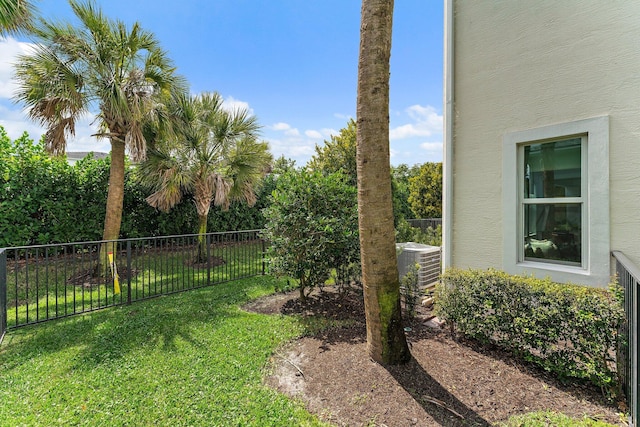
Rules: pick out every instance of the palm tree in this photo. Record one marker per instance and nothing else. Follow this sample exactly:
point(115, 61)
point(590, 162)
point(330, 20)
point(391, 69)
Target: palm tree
point(386, 342)
point(15, 16)
point(99, 66)
point(213, 156)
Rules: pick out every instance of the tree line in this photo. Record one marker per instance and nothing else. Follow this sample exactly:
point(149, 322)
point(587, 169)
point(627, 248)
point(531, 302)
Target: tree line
point(44, 199)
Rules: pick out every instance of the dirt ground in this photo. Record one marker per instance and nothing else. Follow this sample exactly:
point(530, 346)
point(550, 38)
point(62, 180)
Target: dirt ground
point(448, 382)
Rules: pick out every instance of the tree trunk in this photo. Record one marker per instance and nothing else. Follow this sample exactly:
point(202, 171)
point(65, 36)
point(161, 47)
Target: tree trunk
point(386, 342)
point(115, 197)
point(202, 238)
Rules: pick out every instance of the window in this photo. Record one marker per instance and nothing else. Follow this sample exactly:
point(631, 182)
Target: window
point(556, 201)
point(552, 201)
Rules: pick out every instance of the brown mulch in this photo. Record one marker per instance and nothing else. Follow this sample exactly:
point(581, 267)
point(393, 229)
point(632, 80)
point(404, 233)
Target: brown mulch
point(448, 382)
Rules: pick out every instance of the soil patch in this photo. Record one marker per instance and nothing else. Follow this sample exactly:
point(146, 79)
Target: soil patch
point(88, 278)
point(448, 382)
point(214, 261)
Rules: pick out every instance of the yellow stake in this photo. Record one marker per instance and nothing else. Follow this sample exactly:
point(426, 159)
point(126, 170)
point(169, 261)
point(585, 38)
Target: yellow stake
point(114, 272)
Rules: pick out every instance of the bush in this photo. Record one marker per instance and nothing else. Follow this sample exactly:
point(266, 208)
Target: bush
point(567, 329)
point(410, 290)
point(45, 200)
point(406, 233)
point(312, 227)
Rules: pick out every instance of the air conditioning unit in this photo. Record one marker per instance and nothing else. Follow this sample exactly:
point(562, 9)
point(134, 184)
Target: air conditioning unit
point(428, 257)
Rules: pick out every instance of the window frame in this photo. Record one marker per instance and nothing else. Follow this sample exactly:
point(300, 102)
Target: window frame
point(583, 200)
point(595, 263)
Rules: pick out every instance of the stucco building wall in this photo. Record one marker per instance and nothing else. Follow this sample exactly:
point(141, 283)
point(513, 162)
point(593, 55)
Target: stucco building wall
point(520, 65)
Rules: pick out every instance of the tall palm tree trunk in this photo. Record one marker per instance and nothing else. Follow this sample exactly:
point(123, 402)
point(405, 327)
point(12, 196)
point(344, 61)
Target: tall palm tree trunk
point(115, 197)
point(386, 342)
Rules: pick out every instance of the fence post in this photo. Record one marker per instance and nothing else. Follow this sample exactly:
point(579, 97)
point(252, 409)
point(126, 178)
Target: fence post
point(3, 293)
point(129, 272)
point(264, 250)
point(208, 239)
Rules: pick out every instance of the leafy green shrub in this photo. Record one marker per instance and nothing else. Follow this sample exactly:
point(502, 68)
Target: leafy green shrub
point(312, 227)
point(406, 233)
point(410, 290)
point(567, 329)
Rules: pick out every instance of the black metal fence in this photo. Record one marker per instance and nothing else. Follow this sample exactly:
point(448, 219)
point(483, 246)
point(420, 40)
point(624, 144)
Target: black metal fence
point(425, 223)
point(41, 283)
point(629, 278)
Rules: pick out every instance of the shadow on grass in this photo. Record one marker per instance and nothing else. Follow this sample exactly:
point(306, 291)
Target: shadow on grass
point(110, 334)
point(436, 400)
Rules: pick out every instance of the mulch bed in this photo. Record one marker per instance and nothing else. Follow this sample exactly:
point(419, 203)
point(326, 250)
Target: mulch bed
point(448, 382)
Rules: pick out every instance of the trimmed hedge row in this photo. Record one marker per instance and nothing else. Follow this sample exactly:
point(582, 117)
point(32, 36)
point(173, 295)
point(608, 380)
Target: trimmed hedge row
point(45, 200)
point(567, 329)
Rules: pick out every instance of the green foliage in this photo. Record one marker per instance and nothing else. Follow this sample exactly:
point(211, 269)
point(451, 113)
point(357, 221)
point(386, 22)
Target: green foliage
point(425, 191)
point(410, 290)
point(406, 233)
point(45, 200)
point(338, 155)
point(400, 176)
point(567, 329)
point(312, 227)
point(38, 194)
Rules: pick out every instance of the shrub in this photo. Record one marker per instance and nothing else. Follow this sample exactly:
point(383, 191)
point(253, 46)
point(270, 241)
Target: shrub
point(406, 233)
point(567, 329)
point(410, 290)
point(312, 227)
point(45, 200)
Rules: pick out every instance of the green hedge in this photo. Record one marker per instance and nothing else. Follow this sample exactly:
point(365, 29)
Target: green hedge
point(567, 329)
point(45, 200)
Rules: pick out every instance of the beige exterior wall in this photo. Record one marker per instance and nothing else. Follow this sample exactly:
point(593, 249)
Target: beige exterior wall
point(520, 65)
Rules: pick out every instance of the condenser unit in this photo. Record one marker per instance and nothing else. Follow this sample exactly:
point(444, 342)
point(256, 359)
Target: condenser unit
point(428, 257)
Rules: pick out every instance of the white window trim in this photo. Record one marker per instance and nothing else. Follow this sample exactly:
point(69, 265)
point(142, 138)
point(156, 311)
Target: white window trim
point(595, 270)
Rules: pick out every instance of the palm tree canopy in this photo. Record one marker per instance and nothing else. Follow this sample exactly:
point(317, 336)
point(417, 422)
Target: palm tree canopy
point(100, 65)
point(213, 155)
point(15, 16)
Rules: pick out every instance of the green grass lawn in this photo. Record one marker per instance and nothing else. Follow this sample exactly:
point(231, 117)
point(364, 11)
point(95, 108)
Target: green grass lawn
point(192, 358)
point(51, 287)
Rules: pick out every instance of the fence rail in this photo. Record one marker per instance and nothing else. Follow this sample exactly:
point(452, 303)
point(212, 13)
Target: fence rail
point(46, 282)
point(629, 278)
point(425, 223)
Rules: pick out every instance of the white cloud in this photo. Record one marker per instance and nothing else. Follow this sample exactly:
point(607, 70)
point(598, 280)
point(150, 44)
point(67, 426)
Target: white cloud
point(426, 122)
point(313, 134)
point(232, 104)
point(431, 146)
point(9, 50)
point(286, 128)
point(280, 126)
point(327, 132)
point(15, 122)
point(294, 148)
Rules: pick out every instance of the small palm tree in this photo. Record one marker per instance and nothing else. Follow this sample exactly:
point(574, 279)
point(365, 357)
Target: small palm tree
point(213, 155)
point(99, 66)
point(15, 16)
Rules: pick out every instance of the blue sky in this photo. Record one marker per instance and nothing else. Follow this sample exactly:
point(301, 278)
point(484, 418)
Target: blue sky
point(293, 63)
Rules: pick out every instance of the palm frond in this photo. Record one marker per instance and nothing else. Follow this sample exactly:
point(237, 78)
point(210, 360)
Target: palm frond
point(16, 16)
